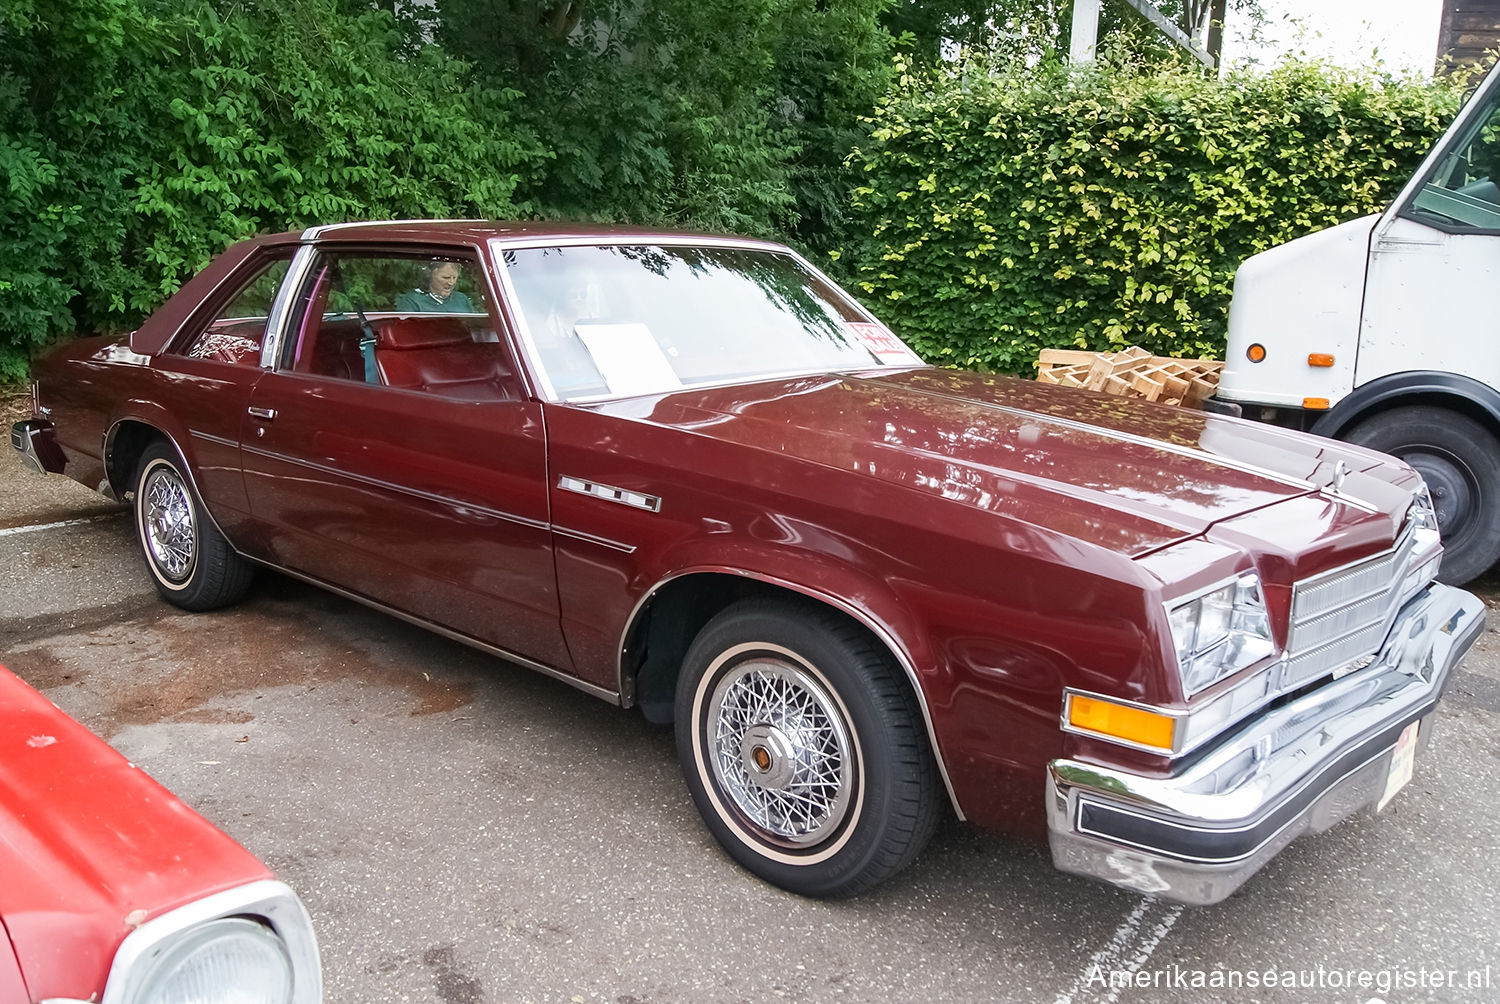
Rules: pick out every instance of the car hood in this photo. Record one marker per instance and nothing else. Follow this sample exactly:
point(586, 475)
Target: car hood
point(1118, 473)
point(90, 847)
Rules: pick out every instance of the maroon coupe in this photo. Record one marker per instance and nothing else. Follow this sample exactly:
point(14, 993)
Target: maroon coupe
point(691, 475)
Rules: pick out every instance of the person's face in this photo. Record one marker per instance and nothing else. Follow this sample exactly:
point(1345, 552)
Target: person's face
point(575, 301)
point(444, 278)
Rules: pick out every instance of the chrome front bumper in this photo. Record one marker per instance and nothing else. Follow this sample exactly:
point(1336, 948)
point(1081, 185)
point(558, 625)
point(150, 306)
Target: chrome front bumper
point(1296, 768)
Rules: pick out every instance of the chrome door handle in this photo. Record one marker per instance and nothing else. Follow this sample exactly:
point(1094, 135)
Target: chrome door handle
point(265, 413)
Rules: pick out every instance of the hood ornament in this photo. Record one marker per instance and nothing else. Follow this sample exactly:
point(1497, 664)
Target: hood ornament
point(1329, 479)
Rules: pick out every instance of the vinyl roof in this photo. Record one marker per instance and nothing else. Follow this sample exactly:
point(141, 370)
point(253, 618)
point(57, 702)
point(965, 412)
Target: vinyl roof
point(479, 231)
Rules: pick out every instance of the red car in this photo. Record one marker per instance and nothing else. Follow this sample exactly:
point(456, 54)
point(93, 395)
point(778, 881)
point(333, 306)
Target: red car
point(116, 892)
point(691, 475)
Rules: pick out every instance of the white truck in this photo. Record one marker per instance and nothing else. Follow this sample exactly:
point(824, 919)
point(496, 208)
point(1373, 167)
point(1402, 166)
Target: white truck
point(1385, 331)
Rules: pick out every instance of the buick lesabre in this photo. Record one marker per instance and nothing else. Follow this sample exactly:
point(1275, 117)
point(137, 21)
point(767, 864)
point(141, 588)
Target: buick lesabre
point(691, 475)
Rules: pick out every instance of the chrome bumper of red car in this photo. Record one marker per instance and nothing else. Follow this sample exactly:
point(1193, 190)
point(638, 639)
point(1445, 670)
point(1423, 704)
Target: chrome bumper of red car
point(1296, 768)
point(33, 439)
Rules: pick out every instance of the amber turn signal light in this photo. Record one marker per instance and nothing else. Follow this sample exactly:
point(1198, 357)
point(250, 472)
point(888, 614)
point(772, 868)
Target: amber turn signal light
point(1315, 403)
point(1256, 352)
point(1319, 359)
point(1120, 721)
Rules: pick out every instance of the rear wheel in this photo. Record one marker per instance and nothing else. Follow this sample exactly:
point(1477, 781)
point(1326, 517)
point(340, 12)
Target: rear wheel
point(191, 563)
point(803, 748)
point(1460, 461)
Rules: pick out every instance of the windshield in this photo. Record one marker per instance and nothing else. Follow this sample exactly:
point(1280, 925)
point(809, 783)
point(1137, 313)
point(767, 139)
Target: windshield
point(1461, 195)
point(621, 320)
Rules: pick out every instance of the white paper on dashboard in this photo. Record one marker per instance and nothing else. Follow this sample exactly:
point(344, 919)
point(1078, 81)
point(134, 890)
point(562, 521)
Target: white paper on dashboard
point(628, 358)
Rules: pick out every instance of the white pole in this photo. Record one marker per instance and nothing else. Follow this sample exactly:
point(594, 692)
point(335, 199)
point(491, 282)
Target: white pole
point(1085, 34)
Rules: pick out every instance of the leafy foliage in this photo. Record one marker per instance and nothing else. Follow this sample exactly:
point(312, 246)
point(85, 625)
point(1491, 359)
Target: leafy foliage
point(998, 207)
point(138, 138)
point(1006, 209)
point(731, 115)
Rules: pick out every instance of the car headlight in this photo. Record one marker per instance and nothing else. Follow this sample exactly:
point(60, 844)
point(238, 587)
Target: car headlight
point(233, 961)
point(252, 944)
point(1220, 632)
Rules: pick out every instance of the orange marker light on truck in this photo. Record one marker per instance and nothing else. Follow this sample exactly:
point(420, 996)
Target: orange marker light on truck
point(1319, 359)
point(1315, 403)
point(1256, 352)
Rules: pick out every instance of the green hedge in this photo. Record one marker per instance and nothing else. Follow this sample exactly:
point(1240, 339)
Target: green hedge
point(1005, 211)
point(138, 138)
point(1000, 210)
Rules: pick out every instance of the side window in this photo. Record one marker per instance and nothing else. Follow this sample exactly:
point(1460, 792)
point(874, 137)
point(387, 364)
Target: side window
point(238, 328)
point(1461, 195)
point(409, 322)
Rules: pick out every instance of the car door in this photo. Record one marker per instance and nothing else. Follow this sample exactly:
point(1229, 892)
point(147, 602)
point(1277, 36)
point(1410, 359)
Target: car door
point(395, 455)
point(1433, 283)
point(211, 369)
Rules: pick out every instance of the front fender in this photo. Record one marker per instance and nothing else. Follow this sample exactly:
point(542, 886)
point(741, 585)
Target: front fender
point(858, 596)
point(809, 569)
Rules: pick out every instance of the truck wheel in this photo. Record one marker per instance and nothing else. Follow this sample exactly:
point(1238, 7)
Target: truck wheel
point(1460, 461)
point(803, 748)
point(191, 563)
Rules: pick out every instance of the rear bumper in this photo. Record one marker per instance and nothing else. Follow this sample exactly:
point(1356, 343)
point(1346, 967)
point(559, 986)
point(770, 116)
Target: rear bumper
point(34, 440)
point(1297, 768)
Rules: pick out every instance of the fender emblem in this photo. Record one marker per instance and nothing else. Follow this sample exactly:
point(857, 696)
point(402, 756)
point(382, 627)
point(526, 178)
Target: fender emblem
point(609, 493)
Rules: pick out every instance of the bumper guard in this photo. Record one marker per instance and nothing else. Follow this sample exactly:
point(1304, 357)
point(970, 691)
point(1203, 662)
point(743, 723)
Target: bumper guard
point(33, 440)
point(1299, 767)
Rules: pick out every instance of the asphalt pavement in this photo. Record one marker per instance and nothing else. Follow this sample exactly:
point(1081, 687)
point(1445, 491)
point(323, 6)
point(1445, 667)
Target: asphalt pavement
point(463, 830)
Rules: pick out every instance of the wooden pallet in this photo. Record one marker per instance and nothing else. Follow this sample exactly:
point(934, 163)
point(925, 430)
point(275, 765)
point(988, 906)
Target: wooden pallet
point(1132, 372)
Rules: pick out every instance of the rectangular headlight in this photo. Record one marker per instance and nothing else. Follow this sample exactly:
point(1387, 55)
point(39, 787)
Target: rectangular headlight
point(1220, 632)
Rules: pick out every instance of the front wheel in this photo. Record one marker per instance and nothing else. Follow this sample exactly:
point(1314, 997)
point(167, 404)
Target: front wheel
point(803, 748)
point(191, 563)
point(1460, 461)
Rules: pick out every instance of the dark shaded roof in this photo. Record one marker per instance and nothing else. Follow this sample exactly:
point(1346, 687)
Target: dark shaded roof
point(1469, 29)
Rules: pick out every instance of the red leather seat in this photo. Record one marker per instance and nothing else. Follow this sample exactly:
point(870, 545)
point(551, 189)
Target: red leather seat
point(438, 355)
point(334, 351)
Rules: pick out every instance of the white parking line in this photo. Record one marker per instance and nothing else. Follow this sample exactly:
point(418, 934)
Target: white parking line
point(1128, 950)
point(33, 528)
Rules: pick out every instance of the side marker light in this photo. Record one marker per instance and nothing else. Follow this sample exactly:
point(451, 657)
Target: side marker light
point(1119, 721)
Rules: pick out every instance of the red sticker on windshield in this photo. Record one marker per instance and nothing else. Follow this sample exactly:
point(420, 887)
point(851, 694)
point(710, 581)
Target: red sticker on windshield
point(886, 346)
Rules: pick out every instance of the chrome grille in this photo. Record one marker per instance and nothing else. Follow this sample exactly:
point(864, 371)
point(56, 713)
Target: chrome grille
point(1343, 614)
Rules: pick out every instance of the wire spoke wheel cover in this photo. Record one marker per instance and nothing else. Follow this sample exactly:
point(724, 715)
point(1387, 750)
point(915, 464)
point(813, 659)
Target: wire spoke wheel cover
point(803, 748)
point(191, 564)
point(780, 748)
point(776, 753)
point(168, 526)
